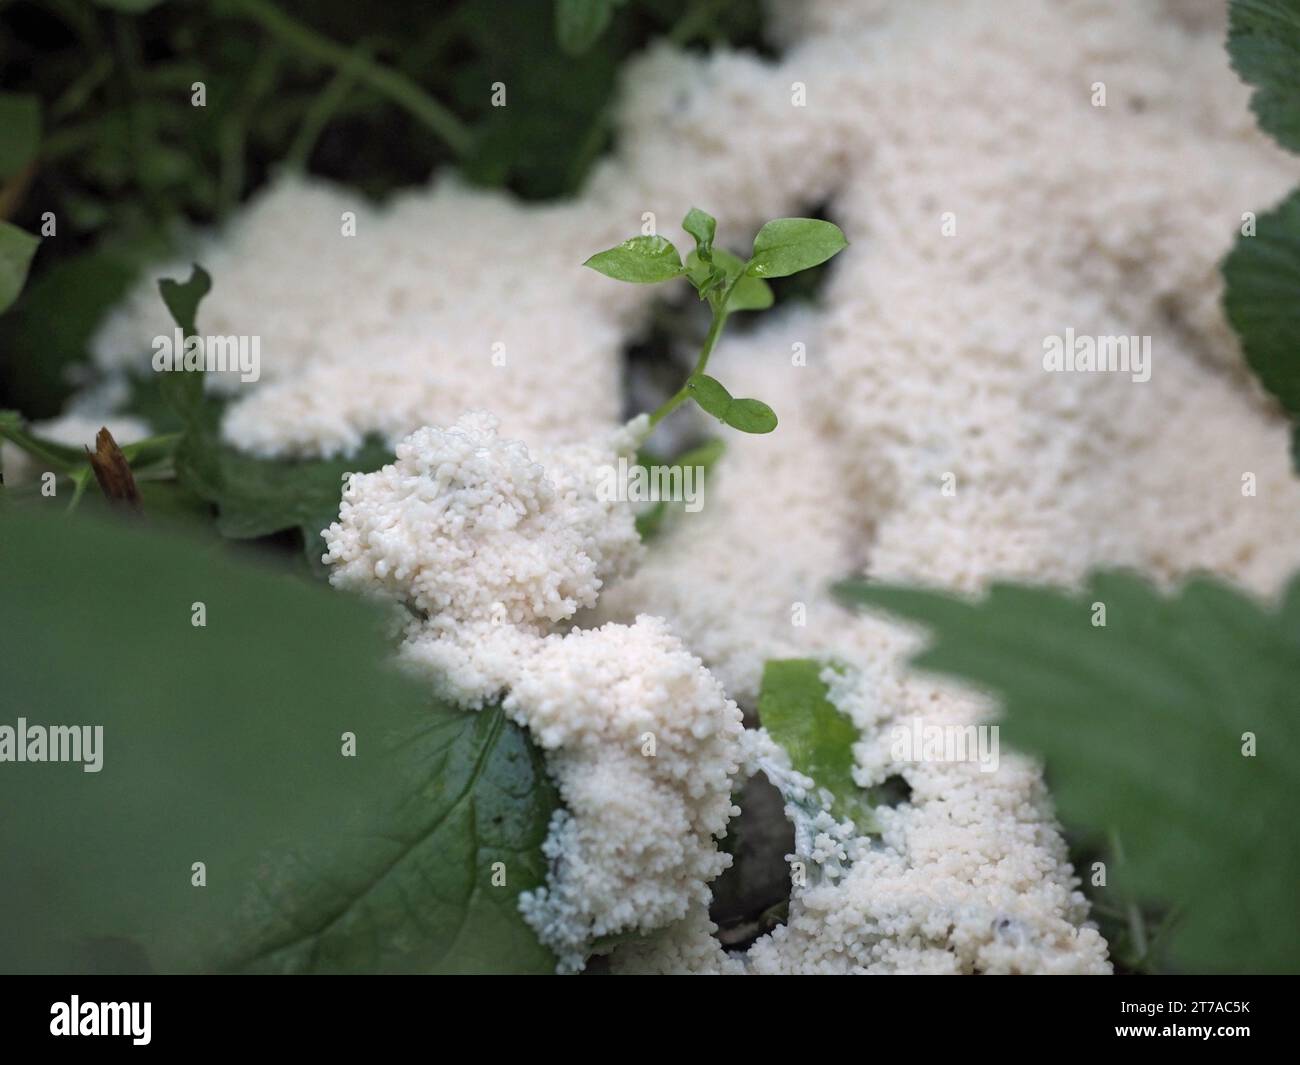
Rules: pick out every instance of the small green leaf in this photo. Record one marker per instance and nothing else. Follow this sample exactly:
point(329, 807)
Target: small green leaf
point(1264, 46)
point(20, 132)
point(751, 416)
point(747, 415)
point(196, 459)
point(748, 293)
point(16, 250)
point(787, 245)
point(257, 496)
point(579, 23)
point(643, 260)
point(710, 394)
point(702, 226)
point(795, 708)
point(182, 299)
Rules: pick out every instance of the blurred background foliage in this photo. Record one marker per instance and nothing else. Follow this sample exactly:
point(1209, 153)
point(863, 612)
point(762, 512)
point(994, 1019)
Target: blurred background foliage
point(100, 128)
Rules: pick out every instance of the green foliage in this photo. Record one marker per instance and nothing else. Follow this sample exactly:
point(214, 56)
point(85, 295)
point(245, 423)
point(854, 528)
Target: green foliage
point(372, 97)
point(48, 330)
point(703, 227)
point(1143, 723)
point(149, 458)
point(795, 708)
point(60, 456)
point(784, 246)
point(182, 299)
point(1262, 300)
point(223, 744)
point(256, 496)
point(253, 496)
point(1264, 45)
point(747, 293)
point(183, 389)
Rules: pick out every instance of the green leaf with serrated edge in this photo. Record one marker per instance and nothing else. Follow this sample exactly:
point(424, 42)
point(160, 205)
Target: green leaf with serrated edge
point(1262, 300)
point(253, 496)
point(748, 294)
point(795, 708)
point(20, 132)
point(579, 23)
point(1264, 46)
point(1141, 723)
point(643, 260)
point(261, 496)
point(702, 226)
point(225, 744)
point(16, 250)
point(787, 245)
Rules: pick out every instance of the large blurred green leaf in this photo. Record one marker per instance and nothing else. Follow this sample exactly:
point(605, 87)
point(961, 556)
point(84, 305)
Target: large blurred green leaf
point(50, 327)
point(1141, 722)
point(223, 744)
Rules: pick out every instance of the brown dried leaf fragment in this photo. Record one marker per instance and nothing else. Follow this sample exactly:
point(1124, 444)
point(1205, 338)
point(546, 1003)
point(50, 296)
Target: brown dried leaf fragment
point(113, 473)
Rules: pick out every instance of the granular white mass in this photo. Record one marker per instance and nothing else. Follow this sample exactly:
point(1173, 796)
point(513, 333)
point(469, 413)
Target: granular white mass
point(491, 550)
point(644, 745)
point(991, 203)
point(481, 540)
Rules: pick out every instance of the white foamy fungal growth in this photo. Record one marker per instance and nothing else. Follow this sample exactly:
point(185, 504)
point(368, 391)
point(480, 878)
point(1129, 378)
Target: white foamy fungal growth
point(466, 527)
point(643, 743)
point(492, 550)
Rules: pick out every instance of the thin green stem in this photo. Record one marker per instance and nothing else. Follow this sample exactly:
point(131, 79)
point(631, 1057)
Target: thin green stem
point(324, 107)
point(234, 128)
point(715, 330)
point(79, 481)
point(396, 86)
